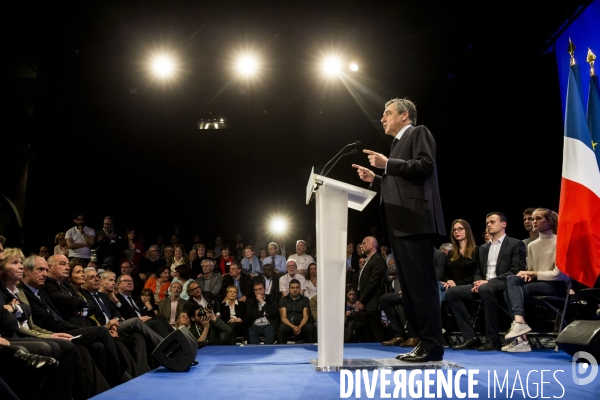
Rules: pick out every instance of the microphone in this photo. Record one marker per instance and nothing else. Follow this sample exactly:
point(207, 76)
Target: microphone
point(339, 158)
point(357, 143)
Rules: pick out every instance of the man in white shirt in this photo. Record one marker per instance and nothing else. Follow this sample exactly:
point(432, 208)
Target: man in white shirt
point(284, 281)
point(500, 257)
point(302, 259)
point(80, 239)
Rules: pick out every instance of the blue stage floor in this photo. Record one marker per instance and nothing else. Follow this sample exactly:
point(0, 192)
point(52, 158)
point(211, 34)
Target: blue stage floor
point(285, 372)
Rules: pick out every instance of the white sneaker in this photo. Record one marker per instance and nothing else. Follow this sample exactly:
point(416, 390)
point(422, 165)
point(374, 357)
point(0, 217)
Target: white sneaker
point(518, 346)
point(517, 329)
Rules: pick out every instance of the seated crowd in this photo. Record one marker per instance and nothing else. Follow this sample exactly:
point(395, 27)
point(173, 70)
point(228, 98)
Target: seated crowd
point(101, 303)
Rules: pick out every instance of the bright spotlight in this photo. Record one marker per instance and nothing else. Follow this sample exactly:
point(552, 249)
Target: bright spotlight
point(354, 67)
point(247, 65)
point(332, 66)
point(278, 225)
point(162, 66)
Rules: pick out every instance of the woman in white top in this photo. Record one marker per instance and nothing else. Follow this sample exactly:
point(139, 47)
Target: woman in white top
point(311, 280)
point(542, 278)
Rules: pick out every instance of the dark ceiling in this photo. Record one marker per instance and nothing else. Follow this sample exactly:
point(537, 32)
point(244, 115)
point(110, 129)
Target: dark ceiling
point(108, 137)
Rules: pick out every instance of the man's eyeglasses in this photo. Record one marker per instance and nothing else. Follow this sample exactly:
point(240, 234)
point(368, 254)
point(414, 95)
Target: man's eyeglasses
point(192, 289)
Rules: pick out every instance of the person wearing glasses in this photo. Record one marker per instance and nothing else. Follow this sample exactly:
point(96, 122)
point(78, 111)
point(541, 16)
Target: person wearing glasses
point(150, 265)
point(201, 297)
point(461, 260)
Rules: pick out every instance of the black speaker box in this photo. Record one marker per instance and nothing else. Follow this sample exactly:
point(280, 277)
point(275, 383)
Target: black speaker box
point(580, 336)
point(177, 351)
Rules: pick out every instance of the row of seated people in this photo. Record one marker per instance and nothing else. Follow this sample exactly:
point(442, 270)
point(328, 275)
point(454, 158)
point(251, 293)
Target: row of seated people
point(501, 273)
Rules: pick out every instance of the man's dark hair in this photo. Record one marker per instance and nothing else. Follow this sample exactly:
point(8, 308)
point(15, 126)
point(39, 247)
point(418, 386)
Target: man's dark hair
point(75, 215)
point(295, 281)
point(499, 214)
point(235, 263)
point(225, 247)
point(528, 211)
point(362, 256)
point(257, 281)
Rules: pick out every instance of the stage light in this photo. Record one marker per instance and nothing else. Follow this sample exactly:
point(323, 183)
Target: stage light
point(354, 67)
point(163, 66)
point(278, 225)
point(247, 65)
point(332, 66)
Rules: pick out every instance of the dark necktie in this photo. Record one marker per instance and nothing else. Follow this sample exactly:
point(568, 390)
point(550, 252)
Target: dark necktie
point(50, 309)
point(105, 309)
point(394, 143)
point(137, 310)
point(273, 260)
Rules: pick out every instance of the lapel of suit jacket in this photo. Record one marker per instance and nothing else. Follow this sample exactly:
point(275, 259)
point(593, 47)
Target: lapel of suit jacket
point(403, 139)
point(483, 259)
point(500, 252)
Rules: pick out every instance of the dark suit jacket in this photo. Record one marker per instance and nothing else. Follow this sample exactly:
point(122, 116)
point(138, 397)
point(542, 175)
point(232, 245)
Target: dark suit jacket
point(245, 285)
point(97, 311)
point(164, 308)
point(270, 310)
point(240, 311)
point(66, 300)
point(371, 283)
point(511, 259)
point(274, 285)
point(439, 262)
point(409, 189)
point(40, 315)
point(127, 310)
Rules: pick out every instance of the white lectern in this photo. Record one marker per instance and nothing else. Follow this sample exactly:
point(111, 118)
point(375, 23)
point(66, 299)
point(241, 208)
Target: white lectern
point(332, 200)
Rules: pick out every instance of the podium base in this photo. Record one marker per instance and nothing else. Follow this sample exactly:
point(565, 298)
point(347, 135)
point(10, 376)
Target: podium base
point(384, 363)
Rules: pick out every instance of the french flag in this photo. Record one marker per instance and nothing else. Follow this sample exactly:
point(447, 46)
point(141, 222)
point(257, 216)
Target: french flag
point(578, 241)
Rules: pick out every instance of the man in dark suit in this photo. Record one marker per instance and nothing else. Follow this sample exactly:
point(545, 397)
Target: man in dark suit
point(371, 287)
point(261, 314)
point(132, 307)
point(411, 207)
point(199, 297)
point(270, 281)
point(498, 258)
point(63, 296)
point(97, 339)
point(237, 278)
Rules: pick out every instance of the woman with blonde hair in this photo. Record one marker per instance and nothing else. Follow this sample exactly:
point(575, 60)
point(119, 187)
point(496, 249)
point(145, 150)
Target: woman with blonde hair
point(61, 245)
point(542, 278)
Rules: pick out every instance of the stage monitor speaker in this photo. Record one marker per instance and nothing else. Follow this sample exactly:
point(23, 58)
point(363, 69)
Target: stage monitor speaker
point(177, 351)
point(580, 336)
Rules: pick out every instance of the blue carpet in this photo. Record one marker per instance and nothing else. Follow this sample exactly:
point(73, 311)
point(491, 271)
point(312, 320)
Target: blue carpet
point(273, 372)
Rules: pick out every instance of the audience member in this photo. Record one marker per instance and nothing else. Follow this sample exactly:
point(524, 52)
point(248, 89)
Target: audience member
point(224, 262)
point(238, 279)
point(294, 314)
point(302, 259)
point(183, 275)
point(138, 283)
point(197, 263)
point(262, 314)
point(218, 246)
point(150, 265)
point(499, 258)
point(183, 319)
point(233, 313)
point(133, 252)
point(370, 288)
point(311, 281)
point(169, 309)
point(528, 224)
point(109, 245)
point(207, 328)
point(270, 281)
point(446, 247)
point(80, 239)
point(61, 245)
point(349, 315)
point(461, 260)
point(541, 278)
point(147, 298)
point(44, 252)
point(209, 280)
point(292, 273)
point(159, 285)
point(63, 296)
point(276, 260)
point(202, 298)
point(178, 257)
point(250, 263)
